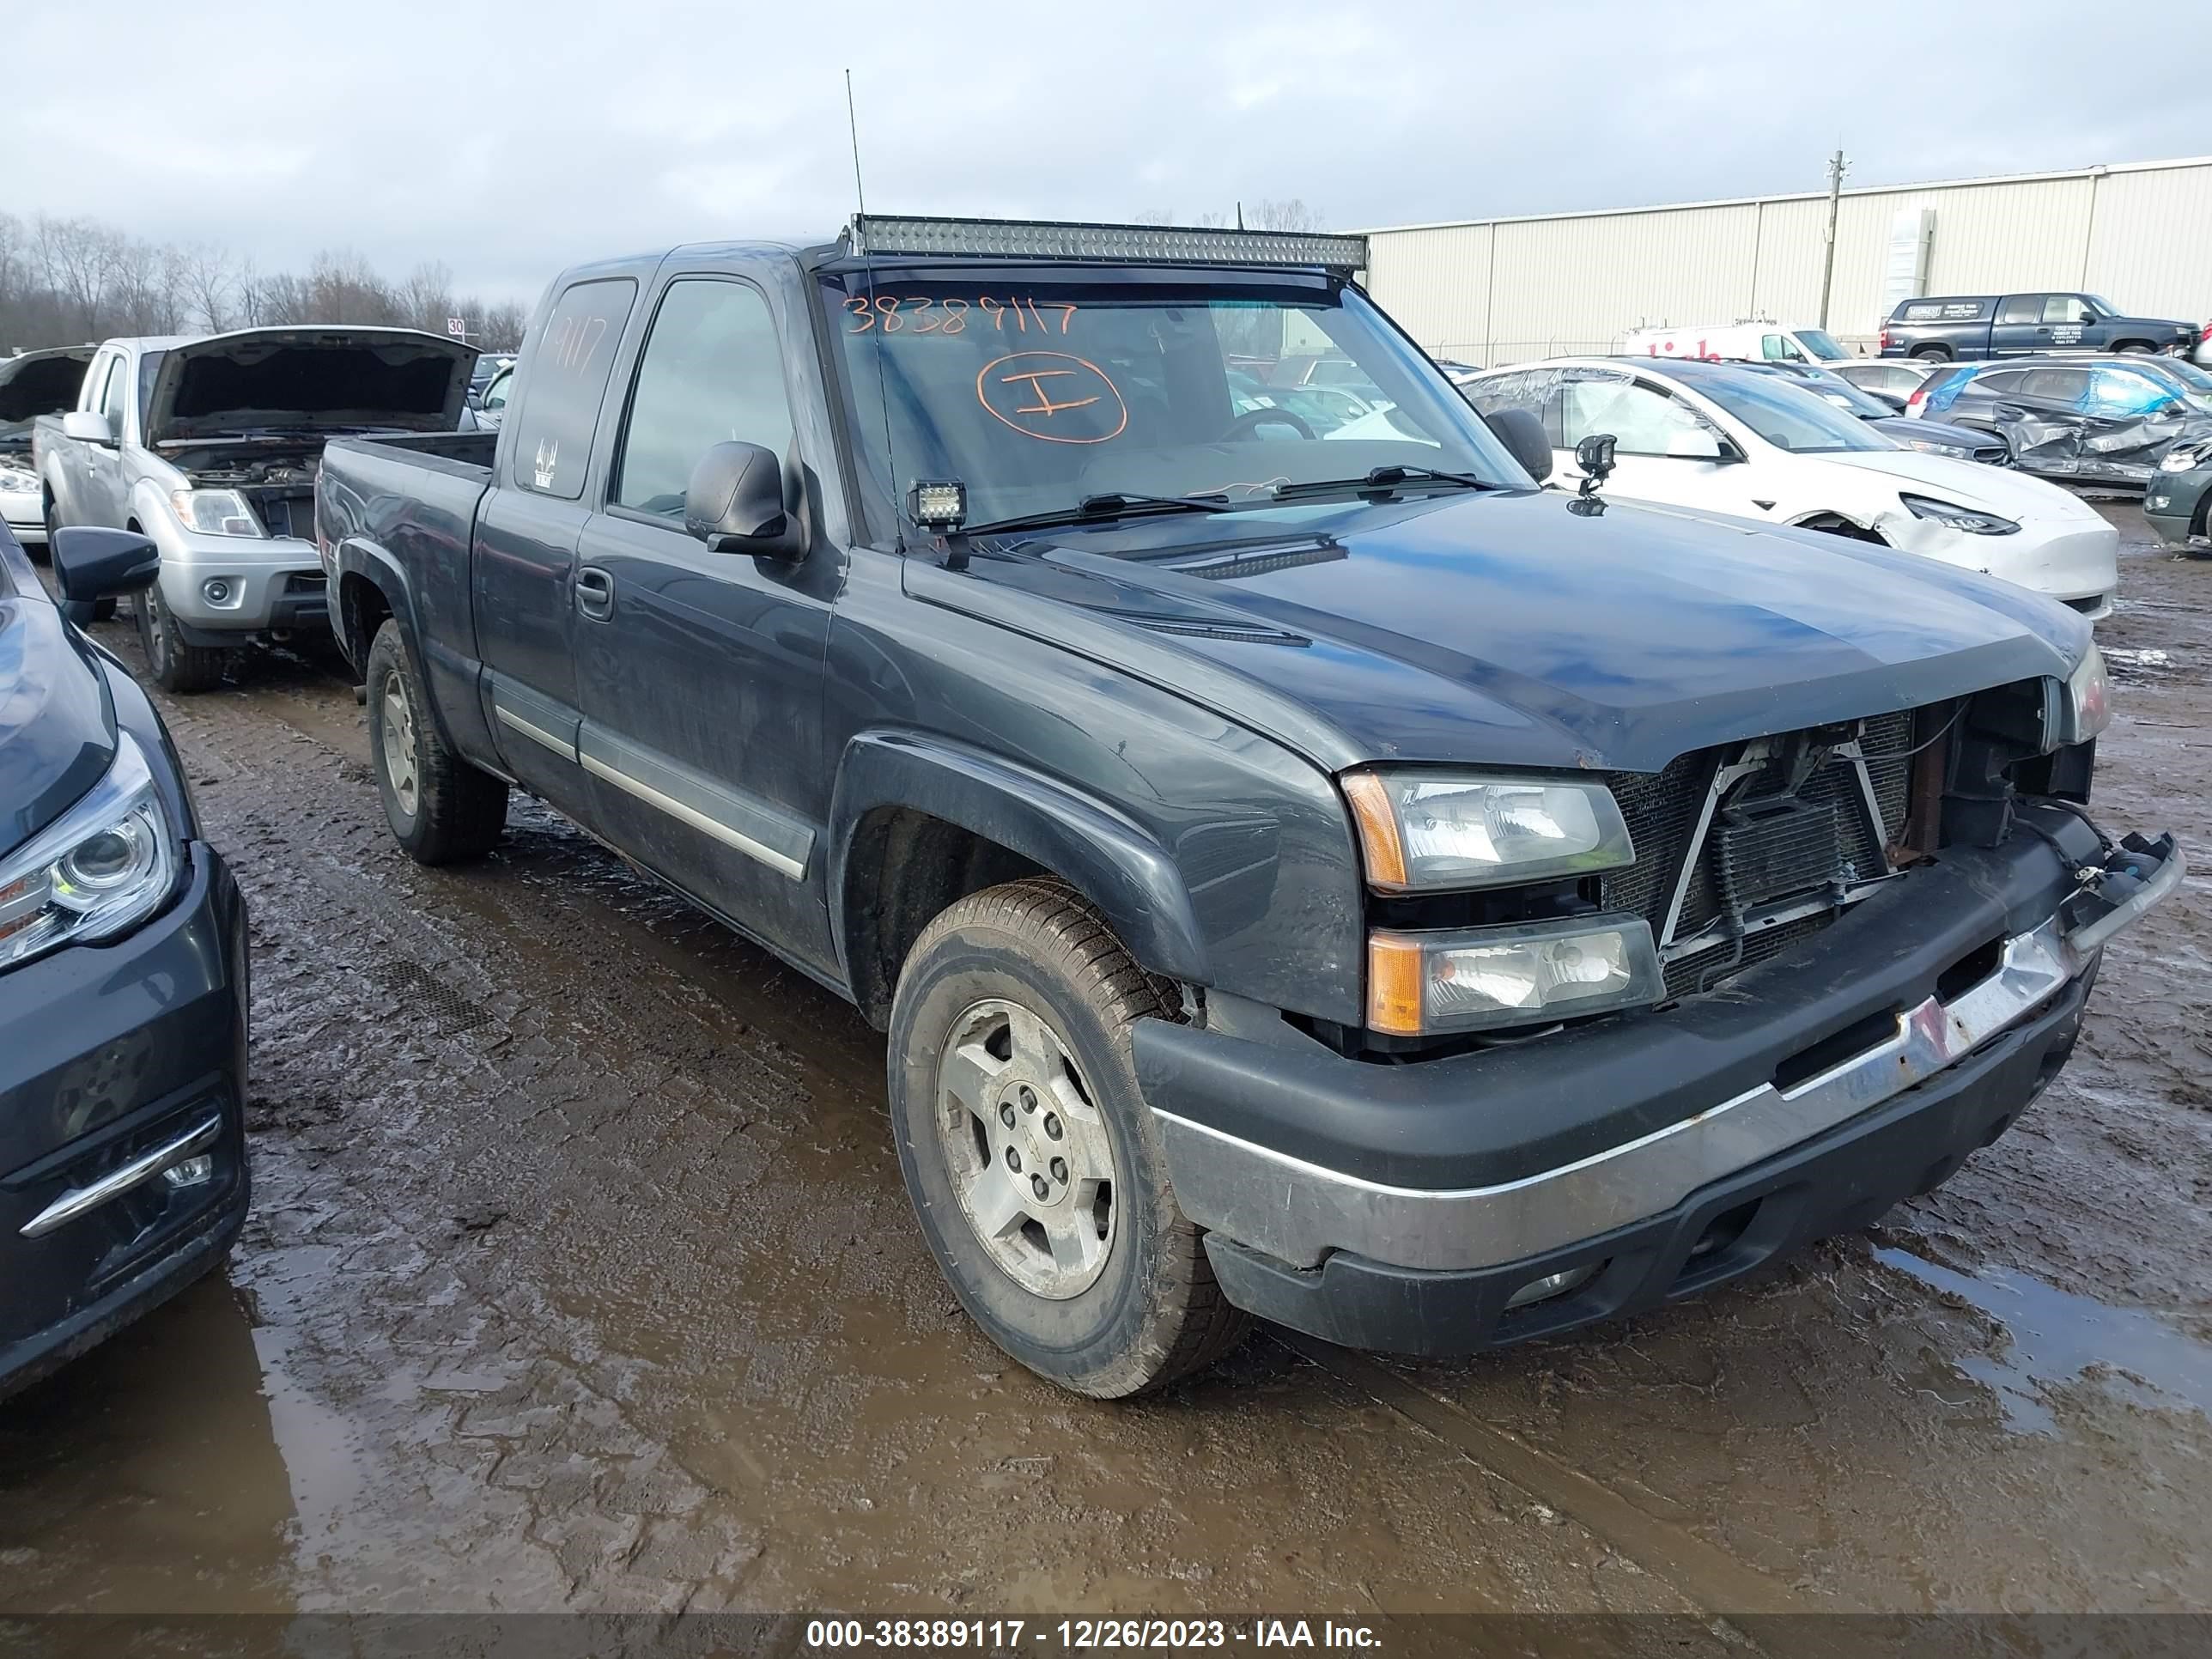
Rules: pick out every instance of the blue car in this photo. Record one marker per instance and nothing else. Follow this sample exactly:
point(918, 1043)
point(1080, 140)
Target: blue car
point(122, 981)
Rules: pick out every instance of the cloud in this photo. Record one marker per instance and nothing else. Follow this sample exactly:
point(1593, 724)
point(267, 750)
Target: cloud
point(508, 138)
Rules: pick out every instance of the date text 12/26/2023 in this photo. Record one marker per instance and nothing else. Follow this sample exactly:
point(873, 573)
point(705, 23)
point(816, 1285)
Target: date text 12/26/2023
point(1013, 1636)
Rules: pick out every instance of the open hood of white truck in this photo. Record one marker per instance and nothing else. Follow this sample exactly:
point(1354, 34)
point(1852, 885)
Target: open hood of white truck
point(308, 380)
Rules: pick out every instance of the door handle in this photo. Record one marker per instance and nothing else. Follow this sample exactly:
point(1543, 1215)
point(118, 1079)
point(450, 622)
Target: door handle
point(595, 594)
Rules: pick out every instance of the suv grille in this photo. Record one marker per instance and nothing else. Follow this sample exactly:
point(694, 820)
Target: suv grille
point(1766, 848)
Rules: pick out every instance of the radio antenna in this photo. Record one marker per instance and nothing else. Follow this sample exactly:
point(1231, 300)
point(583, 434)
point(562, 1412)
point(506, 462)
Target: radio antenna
point(883, 363)
point(853, 126)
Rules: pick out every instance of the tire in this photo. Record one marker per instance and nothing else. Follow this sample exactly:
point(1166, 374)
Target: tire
point(441, 808)
point(1932, 354)
point(175, 665)
point(1127, 1300)
point(2135, 349)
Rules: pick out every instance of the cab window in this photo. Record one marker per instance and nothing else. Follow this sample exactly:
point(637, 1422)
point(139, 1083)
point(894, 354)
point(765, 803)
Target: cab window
point(116, 398)
point(1643, 419)
point(573, 355)
point(1779, 349)
point(2021, 308)
point(2067, 308)
point(712, 373)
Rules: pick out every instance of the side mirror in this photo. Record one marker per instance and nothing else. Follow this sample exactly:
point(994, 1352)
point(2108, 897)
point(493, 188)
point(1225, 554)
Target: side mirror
point(91, 565)
point(736, 503)
point(1523, 435)
point(1593, 459)
point(89, 426)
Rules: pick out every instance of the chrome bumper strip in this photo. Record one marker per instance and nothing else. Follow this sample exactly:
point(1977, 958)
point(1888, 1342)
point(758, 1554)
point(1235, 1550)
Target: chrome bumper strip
point(137, 1173)
point(1299, 1212)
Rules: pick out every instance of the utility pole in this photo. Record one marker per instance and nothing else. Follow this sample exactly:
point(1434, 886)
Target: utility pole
point(1836, 165)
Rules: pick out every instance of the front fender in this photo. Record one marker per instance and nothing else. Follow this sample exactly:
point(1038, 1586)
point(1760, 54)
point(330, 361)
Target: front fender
point(1108, 858)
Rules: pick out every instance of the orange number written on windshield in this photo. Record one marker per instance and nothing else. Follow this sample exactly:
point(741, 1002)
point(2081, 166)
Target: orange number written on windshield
point(927, 314)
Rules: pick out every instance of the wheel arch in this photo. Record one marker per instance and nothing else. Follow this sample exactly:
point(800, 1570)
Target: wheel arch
point(917, 823)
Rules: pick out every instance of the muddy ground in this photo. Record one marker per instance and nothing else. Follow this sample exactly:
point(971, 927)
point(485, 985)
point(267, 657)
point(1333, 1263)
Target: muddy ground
point(579, 1276)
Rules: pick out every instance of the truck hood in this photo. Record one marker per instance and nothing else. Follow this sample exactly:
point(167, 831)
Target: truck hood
point(308, 380)
point(1518, 629)
point(39, 383)
point(57, 724)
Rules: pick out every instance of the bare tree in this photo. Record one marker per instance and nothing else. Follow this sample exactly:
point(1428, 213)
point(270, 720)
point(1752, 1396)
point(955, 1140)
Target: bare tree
point(211, 285)
point(1293, 215)
point(68, 280)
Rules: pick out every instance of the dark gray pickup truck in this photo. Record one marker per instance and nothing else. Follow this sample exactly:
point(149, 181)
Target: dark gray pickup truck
point(1328, 877)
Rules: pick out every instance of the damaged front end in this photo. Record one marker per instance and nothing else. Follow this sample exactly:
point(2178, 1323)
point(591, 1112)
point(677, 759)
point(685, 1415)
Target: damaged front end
point(2095, 449)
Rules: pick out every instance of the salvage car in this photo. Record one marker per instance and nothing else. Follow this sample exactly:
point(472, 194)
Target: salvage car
point(1960, 443)
point(1891, 380)
point(1966, 326)
point(1724, 438)
point(210, 445)
point(1332, 880)
point(2085, 420)
point(32, 384)
point(2179, 497)
point(122, 981)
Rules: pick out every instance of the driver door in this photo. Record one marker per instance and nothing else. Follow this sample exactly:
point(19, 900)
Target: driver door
point(1664, 451)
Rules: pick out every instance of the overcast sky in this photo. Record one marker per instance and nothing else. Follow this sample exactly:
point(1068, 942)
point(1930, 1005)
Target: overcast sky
point(508, 138)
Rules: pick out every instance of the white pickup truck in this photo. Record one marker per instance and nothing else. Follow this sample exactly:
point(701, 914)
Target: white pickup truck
point(211, 446)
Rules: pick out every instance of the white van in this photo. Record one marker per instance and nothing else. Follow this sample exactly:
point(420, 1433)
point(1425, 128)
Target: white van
point(1752, 342)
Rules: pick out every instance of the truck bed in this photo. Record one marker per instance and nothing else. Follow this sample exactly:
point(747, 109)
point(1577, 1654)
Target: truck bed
point(408, 504)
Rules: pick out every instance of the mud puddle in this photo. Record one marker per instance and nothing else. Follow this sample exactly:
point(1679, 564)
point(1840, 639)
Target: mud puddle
point(581, 1276)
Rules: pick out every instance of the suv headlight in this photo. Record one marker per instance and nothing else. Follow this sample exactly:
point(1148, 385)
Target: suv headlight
point(214, 512)
point(1974, 523)
point(2184, 458)
point(1421, 984)
point(2083, 705)
point(1425, 830)
point(100, 869)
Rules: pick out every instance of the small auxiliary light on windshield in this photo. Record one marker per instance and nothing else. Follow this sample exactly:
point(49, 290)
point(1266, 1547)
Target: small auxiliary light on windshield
point(1043, 239)
point(941, 507)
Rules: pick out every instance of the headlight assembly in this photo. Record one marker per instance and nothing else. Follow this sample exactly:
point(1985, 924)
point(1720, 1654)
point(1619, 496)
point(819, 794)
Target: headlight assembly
point(99, 870)
point(1422, 983)
point(1930, 447)
point(214, 512)
point(1426, 830)
point(2082, 705)
point(2184, 459)
point(1974, 523)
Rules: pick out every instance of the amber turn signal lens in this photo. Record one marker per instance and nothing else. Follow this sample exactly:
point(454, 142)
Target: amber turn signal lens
point(1378, 830)
point(1394, 966)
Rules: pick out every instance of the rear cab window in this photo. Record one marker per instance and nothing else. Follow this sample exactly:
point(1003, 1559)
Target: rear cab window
point(2021, 308)
point(576, 353)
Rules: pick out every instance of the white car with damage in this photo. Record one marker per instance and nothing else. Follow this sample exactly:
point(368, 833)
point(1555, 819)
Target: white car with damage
point(211, 447)
point(1726, 440)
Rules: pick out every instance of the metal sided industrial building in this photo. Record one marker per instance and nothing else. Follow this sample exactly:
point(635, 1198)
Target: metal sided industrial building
point(1504, 290)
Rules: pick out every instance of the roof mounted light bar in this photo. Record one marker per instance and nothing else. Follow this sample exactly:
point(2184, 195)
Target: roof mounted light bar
point(1040, 239)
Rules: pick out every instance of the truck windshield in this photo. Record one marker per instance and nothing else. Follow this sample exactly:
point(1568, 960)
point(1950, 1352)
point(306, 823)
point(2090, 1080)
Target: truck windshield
point(1041, 390)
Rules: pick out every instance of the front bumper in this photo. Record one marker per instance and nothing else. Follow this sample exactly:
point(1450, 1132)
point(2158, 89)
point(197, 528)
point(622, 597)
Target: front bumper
point(276, 583)
point(2172, 502)
point(114, 1061)
point(25, 512)
point(1405, 1207)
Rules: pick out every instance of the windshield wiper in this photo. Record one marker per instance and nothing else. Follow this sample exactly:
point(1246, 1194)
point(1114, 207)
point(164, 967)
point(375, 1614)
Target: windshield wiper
point(1380, 479)
point(1116, 505)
